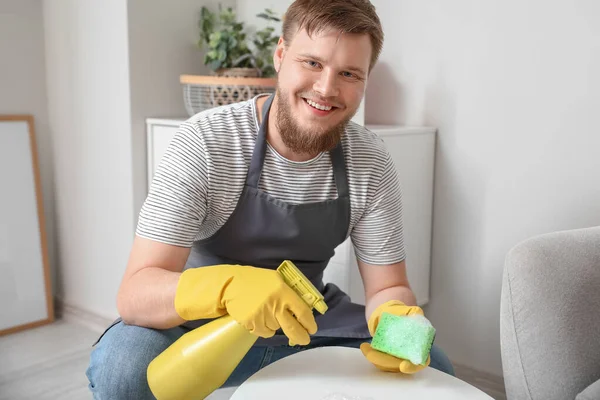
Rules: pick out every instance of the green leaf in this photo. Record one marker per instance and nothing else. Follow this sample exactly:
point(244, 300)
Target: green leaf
point(232, 42)
point(245, 58)
point(215, 65)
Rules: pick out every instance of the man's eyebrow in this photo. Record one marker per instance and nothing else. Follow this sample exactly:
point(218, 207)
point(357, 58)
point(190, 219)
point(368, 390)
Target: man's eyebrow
point(319, 59)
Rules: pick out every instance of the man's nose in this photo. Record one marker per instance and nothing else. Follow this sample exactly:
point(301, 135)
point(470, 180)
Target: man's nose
point(327, 84)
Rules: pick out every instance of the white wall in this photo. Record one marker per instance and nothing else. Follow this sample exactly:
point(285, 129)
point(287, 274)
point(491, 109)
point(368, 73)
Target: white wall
point(111, 65)
point(247, 10)
point(90, 123)
point(514, 89)
point(23, 90)
point(163, 38)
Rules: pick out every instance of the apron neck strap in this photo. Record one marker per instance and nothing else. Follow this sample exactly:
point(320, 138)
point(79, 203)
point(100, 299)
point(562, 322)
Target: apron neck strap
point(260, 149)
point(339, 170)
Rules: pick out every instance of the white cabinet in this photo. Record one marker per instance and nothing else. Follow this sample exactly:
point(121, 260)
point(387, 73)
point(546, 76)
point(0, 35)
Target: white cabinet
point(413, 152)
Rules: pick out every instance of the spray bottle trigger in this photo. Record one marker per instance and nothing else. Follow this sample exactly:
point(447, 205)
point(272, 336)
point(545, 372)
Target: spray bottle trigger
point(296, 280)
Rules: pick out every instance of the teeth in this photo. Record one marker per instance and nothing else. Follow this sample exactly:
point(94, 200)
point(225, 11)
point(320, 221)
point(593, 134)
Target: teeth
point(318, 106)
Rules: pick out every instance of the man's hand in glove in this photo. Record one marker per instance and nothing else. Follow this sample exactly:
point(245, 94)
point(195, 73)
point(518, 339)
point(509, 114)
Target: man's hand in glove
point(257, 298)
point(386, 362)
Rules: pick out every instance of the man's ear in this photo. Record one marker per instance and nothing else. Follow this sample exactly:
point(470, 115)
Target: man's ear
point(279, 54)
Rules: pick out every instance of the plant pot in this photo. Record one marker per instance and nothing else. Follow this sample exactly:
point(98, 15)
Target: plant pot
point(238, 72)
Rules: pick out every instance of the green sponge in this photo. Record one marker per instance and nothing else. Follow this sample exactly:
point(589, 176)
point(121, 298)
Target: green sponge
point(406, 337)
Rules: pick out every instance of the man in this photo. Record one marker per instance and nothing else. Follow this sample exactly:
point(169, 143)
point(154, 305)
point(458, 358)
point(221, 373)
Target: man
point(245, 186)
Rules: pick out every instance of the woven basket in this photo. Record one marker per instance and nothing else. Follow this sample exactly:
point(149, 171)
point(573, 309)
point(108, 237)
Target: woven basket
point(204, 92)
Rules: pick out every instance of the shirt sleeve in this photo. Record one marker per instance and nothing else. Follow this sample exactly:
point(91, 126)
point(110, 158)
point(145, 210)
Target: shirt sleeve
point(176, 202)
point(378, 236)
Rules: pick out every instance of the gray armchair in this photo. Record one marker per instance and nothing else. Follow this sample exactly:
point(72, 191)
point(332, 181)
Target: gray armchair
point(550, 317)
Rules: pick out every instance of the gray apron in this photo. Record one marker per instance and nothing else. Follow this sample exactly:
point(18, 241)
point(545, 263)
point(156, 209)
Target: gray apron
point(263, 231)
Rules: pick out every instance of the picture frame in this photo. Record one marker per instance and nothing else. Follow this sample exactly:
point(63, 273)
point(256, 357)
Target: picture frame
point(25, 284)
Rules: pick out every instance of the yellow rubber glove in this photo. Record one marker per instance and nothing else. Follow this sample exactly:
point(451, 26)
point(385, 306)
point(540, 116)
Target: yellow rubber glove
point(257, 298)
point(383, 361)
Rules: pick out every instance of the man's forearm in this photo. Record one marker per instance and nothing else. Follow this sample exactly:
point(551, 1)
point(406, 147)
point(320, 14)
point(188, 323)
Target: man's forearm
point(402, 293)
point(147, 299)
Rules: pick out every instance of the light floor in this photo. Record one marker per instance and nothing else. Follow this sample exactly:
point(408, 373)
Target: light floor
point(49, 363)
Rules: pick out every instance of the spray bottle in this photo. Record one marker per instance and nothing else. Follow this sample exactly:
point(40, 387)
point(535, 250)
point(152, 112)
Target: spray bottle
point(201, 360)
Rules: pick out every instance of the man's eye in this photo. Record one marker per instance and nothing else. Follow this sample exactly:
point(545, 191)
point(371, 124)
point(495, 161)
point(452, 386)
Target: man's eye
point(348, 74)
point(313, 64)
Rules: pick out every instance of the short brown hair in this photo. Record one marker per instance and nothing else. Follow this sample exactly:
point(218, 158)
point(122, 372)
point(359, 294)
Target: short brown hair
point(348, 16)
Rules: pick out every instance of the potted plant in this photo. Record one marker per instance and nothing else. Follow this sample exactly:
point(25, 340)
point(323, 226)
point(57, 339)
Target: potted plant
point(229, 52)
point(241, 65)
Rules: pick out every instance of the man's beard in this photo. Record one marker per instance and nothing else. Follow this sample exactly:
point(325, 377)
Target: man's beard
point(303, 141)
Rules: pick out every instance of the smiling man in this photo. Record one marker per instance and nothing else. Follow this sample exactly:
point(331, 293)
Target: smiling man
point(243, 187)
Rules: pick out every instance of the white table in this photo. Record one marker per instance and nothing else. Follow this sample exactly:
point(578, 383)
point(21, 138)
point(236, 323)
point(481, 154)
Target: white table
point(322, 373)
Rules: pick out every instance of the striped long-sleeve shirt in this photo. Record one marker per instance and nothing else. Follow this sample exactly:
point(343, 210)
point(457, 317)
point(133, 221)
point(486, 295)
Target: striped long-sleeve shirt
point(198, 182)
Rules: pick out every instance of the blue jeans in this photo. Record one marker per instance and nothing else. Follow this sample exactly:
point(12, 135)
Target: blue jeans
point(119, 360)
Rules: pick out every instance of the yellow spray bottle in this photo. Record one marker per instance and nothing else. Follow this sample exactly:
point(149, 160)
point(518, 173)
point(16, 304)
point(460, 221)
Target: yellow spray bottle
point(201, 360)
